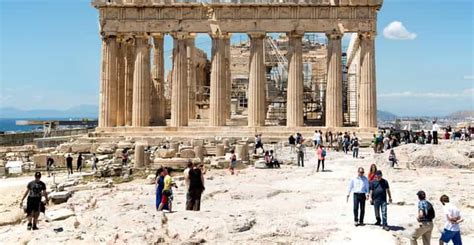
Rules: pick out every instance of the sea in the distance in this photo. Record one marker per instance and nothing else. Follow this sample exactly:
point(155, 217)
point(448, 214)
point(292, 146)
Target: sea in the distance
point(8, 125)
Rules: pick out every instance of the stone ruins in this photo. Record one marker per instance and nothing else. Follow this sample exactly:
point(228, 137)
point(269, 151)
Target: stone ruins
point(205, 97)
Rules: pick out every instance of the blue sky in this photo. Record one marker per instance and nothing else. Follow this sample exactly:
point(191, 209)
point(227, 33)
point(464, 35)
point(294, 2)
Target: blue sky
point(50, 54)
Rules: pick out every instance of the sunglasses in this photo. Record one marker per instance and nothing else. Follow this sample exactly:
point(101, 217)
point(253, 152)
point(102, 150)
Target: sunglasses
point(361, 172)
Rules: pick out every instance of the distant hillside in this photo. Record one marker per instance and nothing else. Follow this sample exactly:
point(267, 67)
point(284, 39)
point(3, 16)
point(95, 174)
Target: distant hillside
point(461, 115)
point(81, 111)
point(386, 116)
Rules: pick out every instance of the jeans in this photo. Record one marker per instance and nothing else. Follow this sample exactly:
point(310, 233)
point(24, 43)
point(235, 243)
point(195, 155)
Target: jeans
point(359, 201)
point(320, 161)
point(355, 152)
point(300, 157)
point(424, 230)
point(378, 205)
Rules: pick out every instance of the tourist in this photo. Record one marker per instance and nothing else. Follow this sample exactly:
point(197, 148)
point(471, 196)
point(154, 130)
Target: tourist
point(429, 138)
point(392, 158)
point(425, 218)
point(346, 141)
point(196, 187)
point(292, 143)
point(95, 160)
point(49, 165)
point(372, 171)
point(360, 187)
point(321, 137)
point(452, 231)
point(69, 164)
point(167, 196)
point(435, 129)
point(268, 159)
point(386, 143)
point(124, 157)
point(321, 153)
point(355, 148)
point(375, 143)
point(79, 163)
point(258, 143)
point(300, 149)
point(316, 138)
point(380, 143)
point(274, 160)
point(379, 189)
point(186, 182)
point(159, 185)
point(233, 162)
point(34, 190)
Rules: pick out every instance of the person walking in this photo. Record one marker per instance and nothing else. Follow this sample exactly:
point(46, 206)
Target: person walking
point(79, 163)
point(452, 231)
point(321, 153)
point(49, 165)
point(95, 160)
point(34, 190)
point(69, 164)
point(167, 191)
point(159, 185)
point(233, 162)
point(196, 187)
point(258, 143)
point(425, 218)
point(360, 187)
point(316, 138)
point(355, 148)
point(392, 158)
point(379, 189)
point(300, 154)
point(372, 171)
point(434, 130)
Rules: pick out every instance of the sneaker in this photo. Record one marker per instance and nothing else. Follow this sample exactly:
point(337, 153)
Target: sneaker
point(28, 227)
point(356, 223)
point(361, 224)
point(35, 227)
point(377, 223)
point(386, 228)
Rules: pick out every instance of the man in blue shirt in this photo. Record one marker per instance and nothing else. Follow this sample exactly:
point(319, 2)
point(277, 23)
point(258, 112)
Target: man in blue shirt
point(360, 187)
point(425, 226)
point(379, 189)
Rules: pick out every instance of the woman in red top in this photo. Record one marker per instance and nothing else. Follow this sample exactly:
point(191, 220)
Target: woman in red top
point(373, 169)
point(321, 153)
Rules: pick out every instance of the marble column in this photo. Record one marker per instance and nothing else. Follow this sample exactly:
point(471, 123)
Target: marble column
point(120, 83)
point(108, 83)
point(191, 79)
point(228, 77)
point(294, 109)
point(141, 84)
point(334, 112)
point(256, 95)
point(179, 86)
point(158, 101)
point(367, 87)
point(129, 65)
point(217, 107)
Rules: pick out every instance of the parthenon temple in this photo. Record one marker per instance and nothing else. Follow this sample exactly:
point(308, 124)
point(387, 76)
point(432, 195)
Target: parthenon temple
point(281, 80)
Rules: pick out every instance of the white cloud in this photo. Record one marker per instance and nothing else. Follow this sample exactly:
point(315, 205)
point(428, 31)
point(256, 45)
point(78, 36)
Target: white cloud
point(465, 93)
point(396, 31)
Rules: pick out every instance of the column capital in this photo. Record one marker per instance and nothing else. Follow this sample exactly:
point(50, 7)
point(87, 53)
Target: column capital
point(334, 35)
point(369, 35)
point(157, 35)
point(180, 35)
point(141, 35)
point(219, 35)
point(296, 33)
point(257, 34)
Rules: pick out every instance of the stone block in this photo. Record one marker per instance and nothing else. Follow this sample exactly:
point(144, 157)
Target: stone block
point(59, 197)
point(175, 163)
point(187, 153)
point(2, 171)
point(139, 155)
point(60, 214)
point(81, 148)
point(40, 160)
point(199, 152)
point(220, 150)
point(64, 148)
point(220, 164)
point(107, 148)
point(125, 145)
point(165, 153)
point(260, 164)
point(242, 152)
point(225, 142)
point(197, 142)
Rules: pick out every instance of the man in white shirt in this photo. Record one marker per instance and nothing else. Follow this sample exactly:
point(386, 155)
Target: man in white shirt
point(187, 181)
point(316, 138)
point(435, 130)
point(451, 232)
point(360, 187)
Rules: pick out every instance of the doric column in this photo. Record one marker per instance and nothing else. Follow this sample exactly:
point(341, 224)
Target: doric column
point(158, 101)
point(141, 83)
point(334, 108)
point(129, 65)
point(294, 109)
point(179, 86)
point(228, 74)
point(108, 83)
point(190, 54)
point(218, 103)
point(256, 95)
point(120, 83)
point(367, 86)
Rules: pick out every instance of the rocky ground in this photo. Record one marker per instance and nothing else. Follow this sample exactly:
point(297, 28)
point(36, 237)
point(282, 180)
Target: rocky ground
point(287, 205)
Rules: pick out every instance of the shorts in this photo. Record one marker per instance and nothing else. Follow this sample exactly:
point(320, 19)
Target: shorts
point(33, 204)
point(454, 236)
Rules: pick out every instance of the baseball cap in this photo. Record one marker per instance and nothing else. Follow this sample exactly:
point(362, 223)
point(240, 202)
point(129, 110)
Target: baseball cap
point(38, 175)
point(378, 172)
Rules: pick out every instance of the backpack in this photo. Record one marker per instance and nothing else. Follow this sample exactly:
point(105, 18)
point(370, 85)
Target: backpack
point(430, 215)
point(323, 153)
